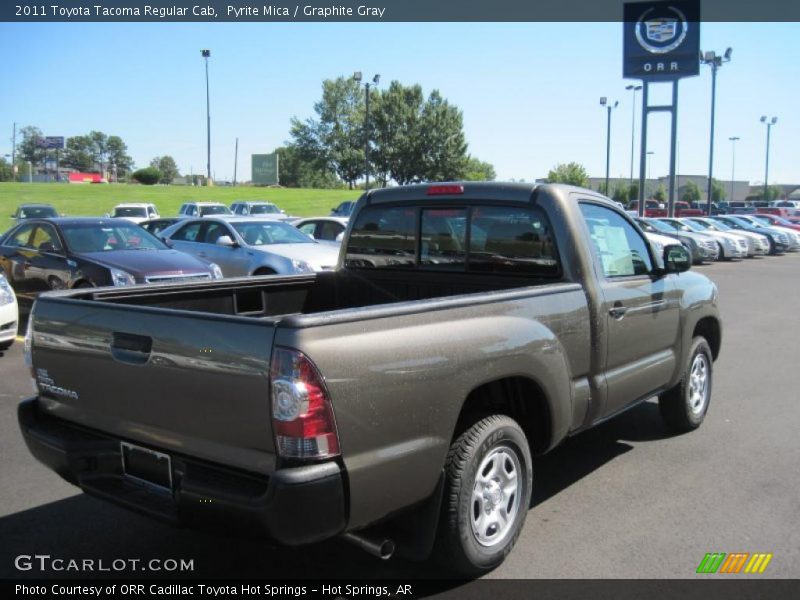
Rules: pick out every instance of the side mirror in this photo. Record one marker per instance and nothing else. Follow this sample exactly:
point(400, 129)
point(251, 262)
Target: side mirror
point(676, 259)
point(340, 237)
point(167, 242)
point(47, 247)
point(225, 240)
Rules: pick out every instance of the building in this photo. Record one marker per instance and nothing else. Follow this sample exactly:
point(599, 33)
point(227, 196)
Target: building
point(740, 189)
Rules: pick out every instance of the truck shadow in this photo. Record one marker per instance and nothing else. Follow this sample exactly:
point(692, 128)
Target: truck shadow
point(81, 527)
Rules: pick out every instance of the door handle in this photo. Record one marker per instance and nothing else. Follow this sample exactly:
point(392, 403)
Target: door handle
point(131, 348)
point(618, 312)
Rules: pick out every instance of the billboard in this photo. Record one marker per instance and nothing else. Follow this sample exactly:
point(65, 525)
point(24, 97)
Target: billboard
point(265, 169)
point(661, 40)
point(51, 143)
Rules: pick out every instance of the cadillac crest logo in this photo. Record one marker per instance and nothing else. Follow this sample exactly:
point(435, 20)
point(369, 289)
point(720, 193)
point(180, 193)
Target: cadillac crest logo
point(661, 34)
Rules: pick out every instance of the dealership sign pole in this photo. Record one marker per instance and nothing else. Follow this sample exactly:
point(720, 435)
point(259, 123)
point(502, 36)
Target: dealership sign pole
point(661, 43)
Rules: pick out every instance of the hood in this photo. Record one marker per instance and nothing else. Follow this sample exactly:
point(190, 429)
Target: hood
point(145, 263)
point(316, 254)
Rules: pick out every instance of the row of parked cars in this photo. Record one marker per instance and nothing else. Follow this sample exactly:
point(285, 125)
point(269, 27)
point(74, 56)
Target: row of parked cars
point(133, 244)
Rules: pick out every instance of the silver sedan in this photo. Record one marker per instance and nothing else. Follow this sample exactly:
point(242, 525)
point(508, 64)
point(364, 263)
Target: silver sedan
point(251, 246)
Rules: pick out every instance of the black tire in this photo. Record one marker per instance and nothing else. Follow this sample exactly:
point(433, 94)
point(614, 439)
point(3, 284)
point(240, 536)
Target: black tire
point(263, 271)
point(6, 345)
point(494, 438)
point(682, 407)
point(721, 252)
point(84, 284)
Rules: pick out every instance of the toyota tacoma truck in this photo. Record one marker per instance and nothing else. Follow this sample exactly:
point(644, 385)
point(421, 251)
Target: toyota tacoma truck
point(396, 401)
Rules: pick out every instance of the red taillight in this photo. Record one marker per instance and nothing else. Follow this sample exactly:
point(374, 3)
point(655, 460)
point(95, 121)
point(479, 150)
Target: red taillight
point(445, 190)
point(302, 415)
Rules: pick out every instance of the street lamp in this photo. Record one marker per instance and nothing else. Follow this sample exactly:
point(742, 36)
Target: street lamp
point(634, 89)
point(715, 62)
point(604, 102)
point(733, 141)
point(649, 154)
point(375, 80)
point(769, 123)
point(206, 55)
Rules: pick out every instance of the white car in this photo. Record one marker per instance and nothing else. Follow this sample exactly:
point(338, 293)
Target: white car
point(323, 229)
point(135, 212)
point(792, 234)
point(731, 245)
point(9, 314)
point(203, 209)
point(659, 242)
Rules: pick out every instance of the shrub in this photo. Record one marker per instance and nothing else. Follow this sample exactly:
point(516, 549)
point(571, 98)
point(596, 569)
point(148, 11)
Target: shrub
point(147, 176)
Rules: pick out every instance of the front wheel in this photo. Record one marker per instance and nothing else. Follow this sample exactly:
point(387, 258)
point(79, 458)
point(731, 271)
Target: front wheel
point(489, 477)
point(684, 407)
point(6, 345)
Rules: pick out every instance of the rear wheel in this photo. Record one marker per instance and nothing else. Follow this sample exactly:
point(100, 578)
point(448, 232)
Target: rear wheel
point(84, 284)
point(721, 252)
point(263, 271)
point(489, 478)
point(684, 407)
point(6, 345)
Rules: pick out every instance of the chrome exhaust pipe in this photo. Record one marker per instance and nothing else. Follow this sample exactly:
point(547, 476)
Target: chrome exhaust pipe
point(382, 548)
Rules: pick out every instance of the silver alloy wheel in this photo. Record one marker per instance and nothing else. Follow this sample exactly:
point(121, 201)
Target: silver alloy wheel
point(698, 384)
point(495, 496)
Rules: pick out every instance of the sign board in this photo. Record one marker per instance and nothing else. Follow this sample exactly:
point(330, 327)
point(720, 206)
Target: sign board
point(661, 40)
point(265, 169)
point(51, 143)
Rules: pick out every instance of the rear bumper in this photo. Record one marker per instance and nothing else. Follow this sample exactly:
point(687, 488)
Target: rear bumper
point(292, 506)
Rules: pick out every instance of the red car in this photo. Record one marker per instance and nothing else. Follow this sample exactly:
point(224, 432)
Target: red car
point(780, 221)
point(684, 209)
point(651, 208)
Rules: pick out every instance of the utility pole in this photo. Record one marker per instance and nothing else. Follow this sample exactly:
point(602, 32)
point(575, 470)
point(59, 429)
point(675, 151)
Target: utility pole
point(235, 161)
point(206, 54)
point(715, 62)
point(733, 141)
point(604, 102)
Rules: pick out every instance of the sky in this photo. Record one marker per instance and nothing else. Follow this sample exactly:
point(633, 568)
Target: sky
point(529, 92)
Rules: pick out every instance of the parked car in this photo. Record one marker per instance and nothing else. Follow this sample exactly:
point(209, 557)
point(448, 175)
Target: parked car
point(410, 394)
point(702, 247)
point(251, 246)
point(652, 208)
point(730, 245)
point(344, 209)
point(135, 212)
point(779, 211)
point(779, 241)
point(684, 209)
point(34, 211)
point(323, 229)
point(716, 208)
point(39, 255)
point(258, 208)
point(9, 314)
point(203, 209)
point(790, 231)
point(757, 244)
point(156, 226)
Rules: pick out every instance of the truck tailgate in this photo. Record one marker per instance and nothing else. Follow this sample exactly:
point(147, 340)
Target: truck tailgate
point(160, 377)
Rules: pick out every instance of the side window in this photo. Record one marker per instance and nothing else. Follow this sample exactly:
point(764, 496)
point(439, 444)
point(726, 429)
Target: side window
point(309, 228)
point(46, 239)
point(329, 230)
point(188, 233)
point(21, 238)
point(620, 248)
point(193, 211)
point(182, 211)
point(443, 243)
point(214, 231)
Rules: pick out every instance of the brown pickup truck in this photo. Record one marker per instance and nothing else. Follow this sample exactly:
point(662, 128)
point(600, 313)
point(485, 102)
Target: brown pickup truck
point(396, 401)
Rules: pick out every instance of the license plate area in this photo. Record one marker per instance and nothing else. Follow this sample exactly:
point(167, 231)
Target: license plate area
point(147, 467)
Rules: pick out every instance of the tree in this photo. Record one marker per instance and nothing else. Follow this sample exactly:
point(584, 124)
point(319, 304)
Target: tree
point(620, 193)
point(295, 170)
point(148, 176)
point(442, 140)
point(477, 170)
point(118, 156)
point(78, 153)
point(661, 194)
point(717, 191)
point(168, 168)
point(6, 172)
point(691, 192)
point(633, 191)
point(396, 133)
point(29, 149)
point(335, 137)
point(571, 173)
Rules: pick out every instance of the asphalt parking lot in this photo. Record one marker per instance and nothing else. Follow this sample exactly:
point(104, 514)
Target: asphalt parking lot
point(625, 500)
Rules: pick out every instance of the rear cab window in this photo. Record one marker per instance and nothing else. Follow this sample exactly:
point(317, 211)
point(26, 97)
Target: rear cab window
point(491, 239)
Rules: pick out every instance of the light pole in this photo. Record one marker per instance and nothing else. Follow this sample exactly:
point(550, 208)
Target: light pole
point(733, 141)
point(769, 123)
point(375, 80)
point(604, 102)
point(206, 55)
point(715, 62)
point(649, 154)
point(634, 89)
point(30, 171)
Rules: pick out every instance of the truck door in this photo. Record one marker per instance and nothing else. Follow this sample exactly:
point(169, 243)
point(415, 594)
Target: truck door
point(640, 311)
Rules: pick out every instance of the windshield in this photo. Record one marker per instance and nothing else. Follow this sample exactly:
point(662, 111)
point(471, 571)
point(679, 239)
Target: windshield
point(265, 209)
point(94, 237)
point(736, 223)
point(661, 226)
point(679, 225)
point(646, 226)
point(37, 212)
point(263, 233)
point(214, 210)
point(130, 211)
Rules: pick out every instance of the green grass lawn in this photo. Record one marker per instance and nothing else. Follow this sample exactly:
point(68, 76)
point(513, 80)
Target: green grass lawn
point(98, 199)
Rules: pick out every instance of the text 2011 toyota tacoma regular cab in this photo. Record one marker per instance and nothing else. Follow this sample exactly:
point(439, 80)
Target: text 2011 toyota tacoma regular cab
point(395, 401)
